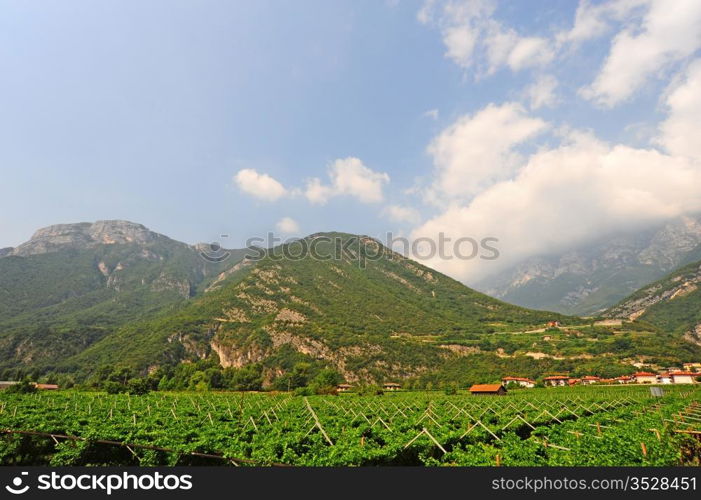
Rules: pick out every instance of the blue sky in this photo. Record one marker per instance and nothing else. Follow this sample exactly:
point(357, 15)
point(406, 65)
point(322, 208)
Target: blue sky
point(150, 111)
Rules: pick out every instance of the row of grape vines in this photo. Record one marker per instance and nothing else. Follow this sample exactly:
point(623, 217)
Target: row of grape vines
point(539, 427)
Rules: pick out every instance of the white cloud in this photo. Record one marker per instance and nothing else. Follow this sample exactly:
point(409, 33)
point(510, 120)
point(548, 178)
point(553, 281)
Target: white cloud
point(432, 114)
point(541, 93)
point(581, 188)
point(287, 225)
point(593, 20)
point(665, 35)
point(478, 150)
point(316, 192)
point(680, 133)
point(259, 185)
point(350, 177)
point(530, 52)
point(572, 193)
point(399, 213)
point(472, 36)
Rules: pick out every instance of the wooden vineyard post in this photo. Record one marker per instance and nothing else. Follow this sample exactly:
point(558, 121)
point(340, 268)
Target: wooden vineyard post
point(644, 449)
point(317, 423)
point(498, 460)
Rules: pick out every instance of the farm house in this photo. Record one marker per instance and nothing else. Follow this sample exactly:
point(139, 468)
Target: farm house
point(645, 378)
point(556, 380)
point(521, 381)
point(683, 377)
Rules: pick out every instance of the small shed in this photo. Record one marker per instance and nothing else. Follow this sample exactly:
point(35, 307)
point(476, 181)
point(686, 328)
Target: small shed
point(488, 390)
point(391, 386)
point(46, 387)
point(343, 387)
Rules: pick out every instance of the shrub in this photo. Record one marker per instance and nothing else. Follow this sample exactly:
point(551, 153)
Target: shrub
point(138, 386)
point(303, 391)
point(370, 390)
point(25, 386)
point(111, 387)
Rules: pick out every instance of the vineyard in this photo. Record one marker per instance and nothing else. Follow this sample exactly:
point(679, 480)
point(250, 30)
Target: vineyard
point(587, 426)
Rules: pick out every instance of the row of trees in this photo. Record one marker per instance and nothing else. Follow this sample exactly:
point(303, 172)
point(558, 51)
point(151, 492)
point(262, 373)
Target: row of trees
point(205, 375)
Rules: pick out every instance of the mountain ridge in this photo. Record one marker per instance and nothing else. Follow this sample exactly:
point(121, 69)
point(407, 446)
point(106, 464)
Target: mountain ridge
point(148, 302)
point(672, 303)
point(587, 280)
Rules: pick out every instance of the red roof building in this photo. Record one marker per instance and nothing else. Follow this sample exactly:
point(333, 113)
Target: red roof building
point(522, 381)
point(487, 390)
point(645, 378)
point(556, 380)
point(683, 377)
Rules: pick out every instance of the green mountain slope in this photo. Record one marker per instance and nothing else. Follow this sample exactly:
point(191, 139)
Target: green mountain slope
point(84, 298)
point(69, 286)
point(672, 303)
point(368, 317)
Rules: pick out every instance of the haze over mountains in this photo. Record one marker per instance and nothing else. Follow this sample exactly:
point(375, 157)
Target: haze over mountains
point(590, 279)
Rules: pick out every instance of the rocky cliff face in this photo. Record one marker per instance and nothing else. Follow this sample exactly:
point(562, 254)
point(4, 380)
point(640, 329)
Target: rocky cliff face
point(590, 279)
point(84, 235)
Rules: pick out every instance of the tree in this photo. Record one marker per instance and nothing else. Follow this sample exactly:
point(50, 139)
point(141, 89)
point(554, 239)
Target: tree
point(111, 387)
point(247, 378)
point(121, 375)
point(326, 381)
point(622, 344)
point(138, 386)
point(24, 386)
point(165, 384)
point(199, 382)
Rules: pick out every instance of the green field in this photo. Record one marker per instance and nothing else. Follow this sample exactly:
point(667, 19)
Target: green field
point(587, 426)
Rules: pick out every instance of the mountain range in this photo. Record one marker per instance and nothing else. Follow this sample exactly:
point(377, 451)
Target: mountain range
point(672, 303)
point(78, 297)
point(589, 279)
